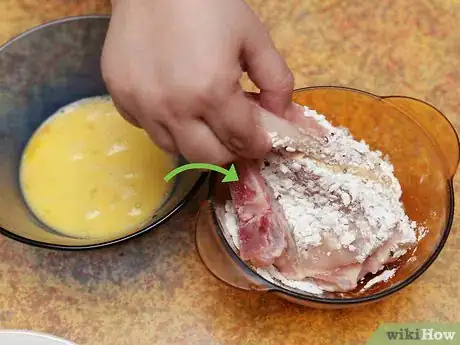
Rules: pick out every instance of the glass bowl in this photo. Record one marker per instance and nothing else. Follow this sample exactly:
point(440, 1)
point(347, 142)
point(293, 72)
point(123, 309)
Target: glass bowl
point(424, 149)
point(42, 70)
point(21, 337)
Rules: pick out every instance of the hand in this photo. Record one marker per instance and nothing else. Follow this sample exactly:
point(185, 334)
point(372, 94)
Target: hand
point(173, 68)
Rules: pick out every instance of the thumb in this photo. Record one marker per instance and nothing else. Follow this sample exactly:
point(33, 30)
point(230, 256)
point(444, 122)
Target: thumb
point(268, 70)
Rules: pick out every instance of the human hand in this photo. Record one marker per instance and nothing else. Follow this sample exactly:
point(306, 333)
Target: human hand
point(173, 68)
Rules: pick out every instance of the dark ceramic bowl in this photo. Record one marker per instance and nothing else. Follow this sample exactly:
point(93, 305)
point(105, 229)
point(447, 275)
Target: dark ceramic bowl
point(42, 70)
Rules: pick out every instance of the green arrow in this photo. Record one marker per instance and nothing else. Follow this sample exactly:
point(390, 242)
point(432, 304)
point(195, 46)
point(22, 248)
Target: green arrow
point(230, 174)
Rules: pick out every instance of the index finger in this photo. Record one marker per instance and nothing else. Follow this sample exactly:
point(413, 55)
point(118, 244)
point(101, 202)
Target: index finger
point(269, 72)
point(237, 125)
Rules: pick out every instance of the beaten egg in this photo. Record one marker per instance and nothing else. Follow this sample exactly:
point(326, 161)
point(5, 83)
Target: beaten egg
point(87, 173)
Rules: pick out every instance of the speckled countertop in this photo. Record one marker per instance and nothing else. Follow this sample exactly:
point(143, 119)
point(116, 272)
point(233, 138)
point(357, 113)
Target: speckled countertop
point(155, 290)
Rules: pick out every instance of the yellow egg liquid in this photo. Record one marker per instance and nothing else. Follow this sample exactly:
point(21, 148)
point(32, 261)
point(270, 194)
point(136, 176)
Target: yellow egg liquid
point(87, 173)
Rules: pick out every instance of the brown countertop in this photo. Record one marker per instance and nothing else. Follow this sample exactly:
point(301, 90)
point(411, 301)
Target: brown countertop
point(155, 290)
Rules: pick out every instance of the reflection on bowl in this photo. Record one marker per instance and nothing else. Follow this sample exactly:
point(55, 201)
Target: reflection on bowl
point(22, 337)
point(42, 70)
point(424, 149)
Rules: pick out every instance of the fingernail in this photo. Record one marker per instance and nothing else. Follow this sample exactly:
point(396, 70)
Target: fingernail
point(236, 143)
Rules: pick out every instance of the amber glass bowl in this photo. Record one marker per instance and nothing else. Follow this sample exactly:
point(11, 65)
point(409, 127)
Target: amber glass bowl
point(424, 149)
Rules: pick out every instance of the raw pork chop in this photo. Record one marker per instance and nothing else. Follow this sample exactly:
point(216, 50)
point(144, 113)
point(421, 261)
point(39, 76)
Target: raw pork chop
point(266, 237)
point(264, 234)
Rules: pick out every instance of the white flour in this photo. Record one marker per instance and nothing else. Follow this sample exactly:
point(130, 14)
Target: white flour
point(336, 188)
point(382, 277)
point(230, 227)
point(317, 200)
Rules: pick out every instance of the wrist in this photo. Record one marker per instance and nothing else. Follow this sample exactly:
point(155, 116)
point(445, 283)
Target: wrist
point(120, 2)
point(117, 2)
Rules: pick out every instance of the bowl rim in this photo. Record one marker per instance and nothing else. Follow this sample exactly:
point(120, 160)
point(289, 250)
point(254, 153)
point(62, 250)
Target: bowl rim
point(346, 301)
point(35, 334)
point(189, 196)
point(49, 23)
